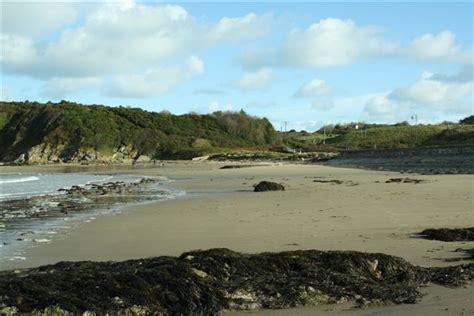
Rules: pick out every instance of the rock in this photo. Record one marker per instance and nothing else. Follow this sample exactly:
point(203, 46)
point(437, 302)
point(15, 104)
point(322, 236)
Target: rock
point(142, 159)
point(209, 282)
point(41, 154)
point(264, 186)
point(48, 153)
point(79, 198)
point(201, 158)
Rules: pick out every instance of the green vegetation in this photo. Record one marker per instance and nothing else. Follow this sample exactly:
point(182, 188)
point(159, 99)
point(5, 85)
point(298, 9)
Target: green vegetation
point(106, 129)
point(355, 136)
point(467, 120)
point(3, 119)
point(67, 128)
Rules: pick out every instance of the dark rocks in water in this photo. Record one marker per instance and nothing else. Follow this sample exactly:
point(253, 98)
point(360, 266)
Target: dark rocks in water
point(404, 180)
point(207, 282)
point(449, 234)
point(77, 199)
point(264, 186)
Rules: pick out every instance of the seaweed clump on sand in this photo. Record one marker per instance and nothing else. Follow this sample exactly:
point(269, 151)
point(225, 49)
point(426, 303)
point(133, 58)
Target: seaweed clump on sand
point(237, 166)
point(264, 186)
point(469, 252)
point(448, 234)
point(404, 180)
point(211, 281)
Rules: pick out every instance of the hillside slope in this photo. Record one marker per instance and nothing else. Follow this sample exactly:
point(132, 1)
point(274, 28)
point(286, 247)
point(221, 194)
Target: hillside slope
point(382, 137)
point(69, 132)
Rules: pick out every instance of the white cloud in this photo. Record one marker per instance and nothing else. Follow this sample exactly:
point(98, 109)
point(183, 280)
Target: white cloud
point(255, 80)
point(122, 41)
point(155, 81)
point(430, 90)
point(432, 95)
point(329, 42)
point(18, 53)
point(382, 108)
point(60, 87)
point(216, 106)
point(118, 40)
point(336, 42)
point(34, 19)
point(314, 88)
point(235, 29)
point(440, 46)
point(122, 37)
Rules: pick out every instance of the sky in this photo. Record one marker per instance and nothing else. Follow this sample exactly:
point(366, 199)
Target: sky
point(304, 63)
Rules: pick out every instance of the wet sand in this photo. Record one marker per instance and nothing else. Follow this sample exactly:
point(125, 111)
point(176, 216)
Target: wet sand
point(220, 210)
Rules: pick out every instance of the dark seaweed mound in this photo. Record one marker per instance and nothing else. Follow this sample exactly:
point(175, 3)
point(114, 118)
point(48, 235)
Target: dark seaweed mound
point(206, 282)
point(449, 234)
point(264, 186)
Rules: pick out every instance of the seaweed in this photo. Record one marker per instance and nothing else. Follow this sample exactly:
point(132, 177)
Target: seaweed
point(448, 234)
point(208, 282)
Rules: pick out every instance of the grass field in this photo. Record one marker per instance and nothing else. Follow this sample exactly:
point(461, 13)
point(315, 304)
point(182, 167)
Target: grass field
point(383, 137)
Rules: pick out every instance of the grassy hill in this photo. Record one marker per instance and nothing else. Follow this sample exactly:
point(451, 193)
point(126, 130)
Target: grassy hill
point(69, 132)
point(64, 129)
point(381, 137)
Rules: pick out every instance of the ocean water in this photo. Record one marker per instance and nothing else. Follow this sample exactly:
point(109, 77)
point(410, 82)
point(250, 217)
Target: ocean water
point(23, 185)
point(31, 205)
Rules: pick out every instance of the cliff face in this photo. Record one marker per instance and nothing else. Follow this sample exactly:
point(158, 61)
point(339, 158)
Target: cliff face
point(47, 153)
point(68, 132)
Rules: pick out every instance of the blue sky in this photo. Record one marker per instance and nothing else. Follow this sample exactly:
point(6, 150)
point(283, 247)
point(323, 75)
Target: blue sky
point(308, 63)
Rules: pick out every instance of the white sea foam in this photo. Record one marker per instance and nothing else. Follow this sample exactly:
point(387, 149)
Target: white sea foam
point(19, 180)
point(41, 240)
point(100, 180)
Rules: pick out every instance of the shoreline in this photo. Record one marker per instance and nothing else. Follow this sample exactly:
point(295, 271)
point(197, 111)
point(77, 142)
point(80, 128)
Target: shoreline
point(362, 213)
point(221, 202)
point(32, 220)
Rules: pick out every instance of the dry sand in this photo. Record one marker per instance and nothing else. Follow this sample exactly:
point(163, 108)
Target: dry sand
point(220, 210)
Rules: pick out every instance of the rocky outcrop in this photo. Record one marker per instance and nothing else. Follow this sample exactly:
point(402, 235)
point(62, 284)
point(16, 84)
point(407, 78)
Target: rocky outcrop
point(208, 282)
point(42, 154)
point(47, 153)
point(264, 186)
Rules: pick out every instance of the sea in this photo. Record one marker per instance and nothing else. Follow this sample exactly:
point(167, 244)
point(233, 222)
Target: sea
point(35, 209)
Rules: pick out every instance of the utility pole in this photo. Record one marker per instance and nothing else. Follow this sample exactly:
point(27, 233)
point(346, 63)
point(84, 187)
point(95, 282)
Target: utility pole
point(286, 123)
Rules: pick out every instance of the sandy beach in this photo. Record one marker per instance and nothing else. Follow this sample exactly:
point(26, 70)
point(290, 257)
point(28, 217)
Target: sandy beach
point(220, 209)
